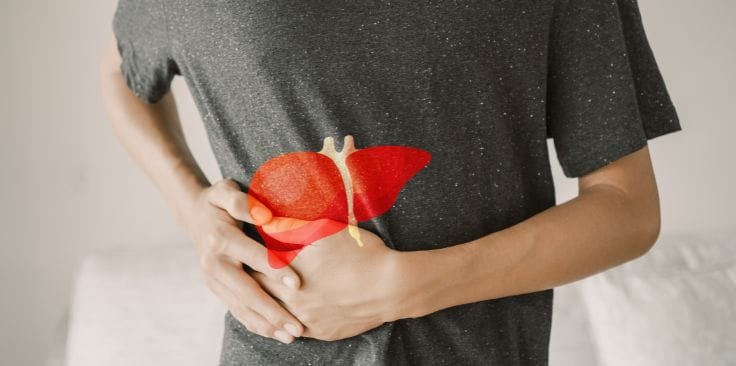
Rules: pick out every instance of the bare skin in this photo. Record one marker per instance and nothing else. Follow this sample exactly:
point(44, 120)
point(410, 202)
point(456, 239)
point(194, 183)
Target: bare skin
point(212, 214)
point(349, 289)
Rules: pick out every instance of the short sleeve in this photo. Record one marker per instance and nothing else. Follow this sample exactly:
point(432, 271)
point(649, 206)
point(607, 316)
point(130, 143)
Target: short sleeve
point(606, 96)
point(140, 27)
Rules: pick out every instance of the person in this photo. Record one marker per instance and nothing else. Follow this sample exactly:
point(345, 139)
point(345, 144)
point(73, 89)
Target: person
point(461, 267)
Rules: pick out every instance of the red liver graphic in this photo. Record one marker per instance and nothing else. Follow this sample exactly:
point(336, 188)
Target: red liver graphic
point(330, 190)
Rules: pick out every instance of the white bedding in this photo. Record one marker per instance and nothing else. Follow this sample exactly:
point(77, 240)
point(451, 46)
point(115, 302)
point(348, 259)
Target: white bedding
point(674, 306)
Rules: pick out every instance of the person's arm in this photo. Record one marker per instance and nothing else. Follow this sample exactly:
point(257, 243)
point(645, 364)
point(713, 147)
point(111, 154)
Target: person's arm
point(350, 289)
point(614, 219)
point(152, 135)
point(212, 214)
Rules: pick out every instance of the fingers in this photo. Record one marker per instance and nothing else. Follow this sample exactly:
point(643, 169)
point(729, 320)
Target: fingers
point(252, 321)
point(278, 294)
point(247, 289)
point(238, 246)
point(276, 290)
point(246, 292)
point(240, 205)
point(227, 248)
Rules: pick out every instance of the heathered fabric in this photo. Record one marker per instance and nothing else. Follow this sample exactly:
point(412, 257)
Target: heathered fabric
point(480, 85)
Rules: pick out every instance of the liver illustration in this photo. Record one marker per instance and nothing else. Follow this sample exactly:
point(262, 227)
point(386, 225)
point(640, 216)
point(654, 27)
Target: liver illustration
point(330, 190)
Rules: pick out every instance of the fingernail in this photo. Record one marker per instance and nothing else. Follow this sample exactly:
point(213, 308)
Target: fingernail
point(292, 329)
point(280, 334)
point(289, 281)
point(260, 214)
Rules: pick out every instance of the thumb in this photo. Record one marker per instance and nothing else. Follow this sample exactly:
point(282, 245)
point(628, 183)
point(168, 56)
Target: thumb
point(258, 211)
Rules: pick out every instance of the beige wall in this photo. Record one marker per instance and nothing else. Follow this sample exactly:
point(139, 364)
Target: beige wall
point(67, 187)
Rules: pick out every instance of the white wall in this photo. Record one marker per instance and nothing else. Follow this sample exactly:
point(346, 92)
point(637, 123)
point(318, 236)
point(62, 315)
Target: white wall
point(68, 187)
point(693, 43)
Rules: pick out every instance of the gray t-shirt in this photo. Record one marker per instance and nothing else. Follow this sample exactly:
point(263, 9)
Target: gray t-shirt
point(480, 85)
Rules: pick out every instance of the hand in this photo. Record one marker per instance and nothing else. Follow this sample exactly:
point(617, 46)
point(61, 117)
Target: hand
point(211, 220)
point(346, 289)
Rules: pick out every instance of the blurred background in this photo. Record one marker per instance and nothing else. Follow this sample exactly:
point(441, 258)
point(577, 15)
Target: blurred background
point(94, 269)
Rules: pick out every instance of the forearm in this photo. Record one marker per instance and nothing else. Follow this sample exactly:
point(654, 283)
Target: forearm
point(599, 229)
point(152, 135)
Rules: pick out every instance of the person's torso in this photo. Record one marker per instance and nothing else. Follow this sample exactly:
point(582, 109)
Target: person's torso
point(462, 80)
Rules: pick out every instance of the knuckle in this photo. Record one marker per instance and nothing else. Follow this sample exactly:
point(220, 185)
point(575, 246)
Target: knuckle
point(216, 241)
point(287, 297)
point(215, 190)
point(232, 201)
point(220, 189)
point(258, 327)
point(206, 265)
point(211, 239)
point(228, 185)
point(239, 202)
point(271, 316)
point(248, 322)
point(240, 308)
point(290, 296)
point(264, 330)
point(251, 256)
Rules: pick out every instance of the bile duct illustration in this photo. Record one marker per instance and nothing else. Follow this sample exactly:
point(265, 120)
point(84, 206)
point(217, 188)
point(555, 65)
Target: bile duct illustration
point(330, 190)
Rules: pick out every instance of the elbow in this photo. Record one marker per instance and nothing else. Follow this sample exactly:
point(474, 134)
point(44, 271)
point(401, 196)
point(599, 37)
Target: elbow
point(649, 233)
point(109, 63)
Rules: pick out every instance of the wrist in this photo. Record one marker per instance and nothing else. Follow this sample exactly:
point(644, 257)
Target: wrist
point(185, 196)
point(416, 284)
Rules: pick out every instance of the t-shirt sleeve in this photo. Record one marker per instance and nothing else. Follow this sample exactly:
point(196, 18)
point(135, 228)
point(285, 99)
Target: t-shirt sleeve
point(141, 30)
point(606, 96)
